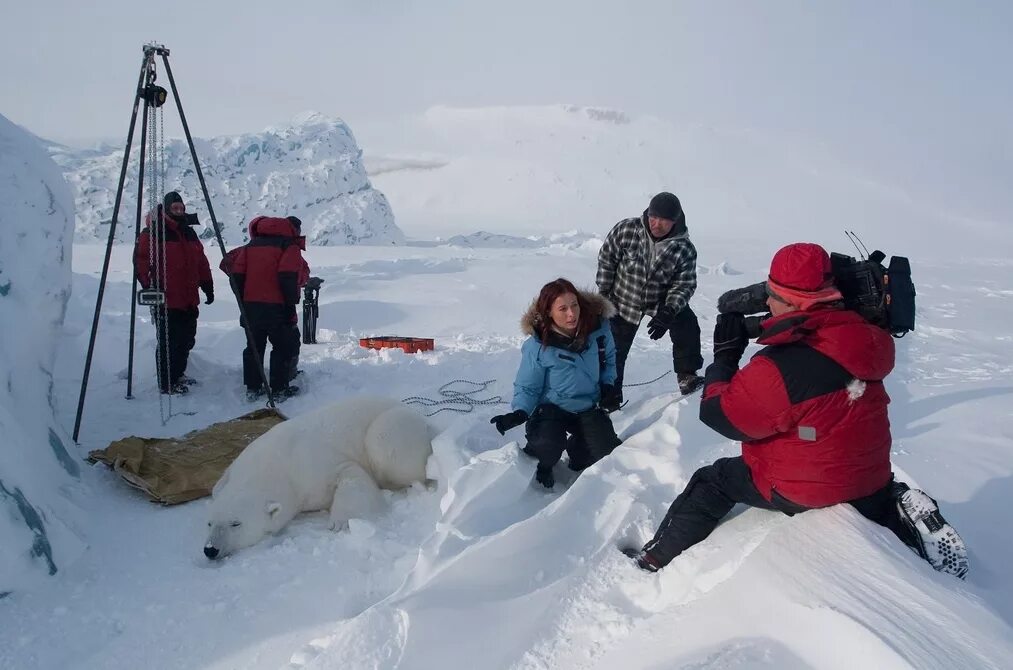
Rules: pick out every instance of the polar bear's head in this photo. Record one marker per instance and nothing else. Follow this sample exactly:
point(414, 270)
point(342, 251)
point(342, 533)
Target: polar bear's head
point(240, 517)
point(230, 531)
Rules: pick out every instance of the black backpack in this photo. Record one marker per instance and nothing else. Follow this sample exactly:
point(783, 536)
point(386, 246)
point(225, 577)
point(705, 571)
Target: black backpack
point(884, 296)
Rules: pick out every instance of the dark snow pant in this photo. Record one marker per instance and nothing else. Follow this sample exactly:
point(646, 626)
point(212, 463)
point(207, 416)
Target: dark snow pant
point(284, 337)
point(714, 489)
point(591, 436)
point(685, 336)
point(176, 333)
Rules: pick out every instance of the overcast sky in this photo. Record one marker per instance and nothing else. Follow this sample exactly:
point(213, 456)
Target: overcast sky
point(919, 81)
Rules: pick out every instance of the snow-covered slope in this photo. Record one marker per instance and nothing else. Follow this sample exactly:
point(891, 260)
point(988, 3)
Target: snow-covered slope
point(539, 170)
point(37, 474)
point(310, 168)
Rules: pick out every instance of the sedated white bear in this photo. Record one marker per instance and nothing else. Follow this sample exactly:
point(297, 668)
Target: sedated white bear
point(336, 457)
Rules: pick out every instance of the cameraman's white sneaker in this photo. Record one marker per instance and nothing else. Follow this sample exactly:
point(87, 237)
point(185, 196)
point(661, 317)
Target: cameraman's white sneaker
point(938, 542)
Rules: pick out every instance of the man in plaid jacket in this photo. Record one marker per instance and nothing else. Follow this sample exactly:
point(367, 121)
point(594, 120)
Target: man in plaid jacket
point(648, 266)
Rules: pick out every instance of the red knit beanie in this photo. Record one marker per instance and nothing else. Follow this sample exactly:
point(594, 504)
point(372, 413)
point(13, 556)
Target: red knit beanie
point(800, 274)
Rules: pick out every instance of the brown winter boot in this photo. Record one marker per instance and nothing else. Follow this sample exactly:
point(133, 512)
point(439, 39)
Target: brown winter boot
point(689, 382)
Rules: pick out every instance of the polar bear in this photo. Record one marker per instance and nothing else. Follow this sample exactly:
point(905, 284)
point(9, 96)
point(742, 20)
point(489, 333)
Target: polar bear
point(336, 457)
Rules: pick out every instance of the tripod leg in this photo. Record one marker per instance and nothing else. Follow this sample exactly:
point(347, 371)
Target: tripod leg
point(137, 234)
point(109, 249)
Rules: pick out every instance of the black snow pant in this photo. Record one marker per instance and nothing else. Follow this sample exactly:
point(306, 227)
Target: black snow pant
point(685, 336)
point(272, 323)
point(591, 436)
point(713, 491)
point(177, 334)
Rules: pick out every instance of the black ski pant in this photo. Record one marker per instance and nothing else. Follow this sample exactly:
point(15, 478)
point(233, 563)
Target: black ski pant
point(277, 327)
point(713, 491)
point(591, 436)
point(176, 332)
point(685, 336)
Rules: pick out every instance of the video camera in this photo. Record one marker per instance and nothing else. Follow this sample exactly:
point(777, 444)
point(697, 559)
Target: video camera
point(884, 296)
point(310, 309)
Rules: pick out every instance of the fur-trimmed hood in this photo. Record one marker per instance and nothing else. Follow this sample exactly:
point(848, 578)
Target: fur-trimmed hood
point(599, 305)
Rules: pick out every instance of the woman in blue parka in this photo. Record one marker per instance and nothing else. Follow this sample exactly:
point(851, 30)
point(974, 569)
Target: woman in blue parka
point(565, 385)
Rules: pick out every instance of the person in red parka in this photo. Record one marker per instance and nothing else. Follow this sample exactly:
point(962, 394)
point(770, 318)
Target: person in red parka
point(186, 269)
point(267, 274)
point(811, 412)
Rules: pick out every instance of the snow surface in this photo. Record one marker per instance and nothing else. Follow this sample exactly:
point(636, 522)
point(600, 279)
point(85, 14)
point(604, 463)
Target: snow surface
point(37, 474)
point(485, 570)
point(311, 168)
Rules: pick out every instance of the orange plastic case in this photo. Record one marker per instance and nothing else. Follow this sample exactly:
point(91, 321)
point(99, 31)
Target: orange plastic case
point(409, 345)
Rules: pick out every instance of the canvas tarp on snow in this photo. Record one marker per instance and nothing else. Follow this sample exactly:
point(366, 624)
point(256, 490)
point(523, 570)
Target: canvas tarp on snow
point(179, 469)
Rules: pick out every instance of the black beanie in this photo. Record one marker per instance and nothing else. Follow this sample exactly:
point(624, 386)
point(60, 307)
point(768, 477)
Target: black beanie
point(171, 197)
point(297, 222)
point(665, 206)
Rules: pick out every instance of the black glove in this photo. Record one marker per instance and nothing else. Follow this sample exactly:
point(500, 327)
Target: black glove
point(730, 338)
point(505, 422)
point(661, 322)
point(209, 292)
point(611, 397)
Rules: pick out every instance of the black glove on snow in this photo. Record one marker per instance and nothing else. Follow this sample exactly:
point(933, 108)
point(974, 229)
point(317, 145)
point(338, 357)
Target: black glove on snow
point(730, 338)
point(209, 292)
point(505, 422)
point(662, 321)
point(611, 397)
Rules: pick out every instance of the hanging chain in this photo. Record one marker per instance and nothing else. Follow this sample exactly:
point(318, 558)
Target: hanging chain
point(160, 181)
point(157, 254)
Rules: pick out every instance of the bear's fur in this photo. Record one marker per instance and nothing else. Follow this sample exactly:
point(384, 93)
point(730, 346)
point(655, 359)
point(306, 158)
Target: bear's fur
point(336, 457)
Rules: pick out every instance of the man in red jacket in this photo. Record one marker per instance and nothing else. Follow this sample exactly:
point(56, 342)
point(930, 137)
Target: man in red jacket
point(811, 412)
point(267, 274)
point(185, 270)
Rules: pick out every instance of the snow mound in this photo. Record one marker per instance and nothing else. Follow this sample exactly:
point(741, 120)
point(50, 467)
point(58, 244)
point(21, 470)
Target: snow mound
point(722, 268)
point(485, 240)
point(562, 596)
point(311, 168)
point(36, 471)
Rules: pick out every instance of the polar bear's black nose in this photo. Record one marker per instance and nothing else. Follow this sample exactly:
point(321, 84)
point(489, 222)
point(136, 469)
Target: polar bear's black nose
point(211, 552)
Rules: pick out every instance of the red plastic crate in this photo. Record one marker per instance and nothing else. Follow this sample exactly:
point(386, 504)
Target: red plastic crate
point(409, 345)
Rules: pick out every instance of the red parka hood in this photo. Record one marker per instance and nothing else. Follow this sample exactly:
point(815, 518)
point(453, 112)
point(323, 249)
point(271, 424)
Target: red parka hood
point(864, 350)
point(274, 226)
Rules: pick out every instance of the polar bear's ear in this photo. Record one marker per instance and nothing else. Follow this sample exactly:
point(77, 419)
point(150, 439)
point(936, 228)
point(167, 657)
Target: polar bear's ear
point(220, 483)
point(272, 509)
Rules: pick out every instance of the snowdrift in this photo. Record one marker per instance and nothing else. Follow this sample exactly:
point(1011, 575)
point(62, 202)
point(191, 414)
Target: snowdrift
point(37, 474)
point(515, 577)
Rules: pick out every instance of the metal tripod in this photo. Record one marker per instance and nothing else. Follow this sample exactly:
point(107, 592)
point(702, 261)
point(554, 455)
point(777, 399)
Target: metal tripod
point(151, 96)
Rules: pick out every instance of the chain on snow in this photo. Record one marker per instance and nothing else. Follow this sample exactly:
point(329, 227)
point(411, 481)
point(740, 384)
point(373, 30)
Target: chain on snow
point(450, 397)
point(625, 385)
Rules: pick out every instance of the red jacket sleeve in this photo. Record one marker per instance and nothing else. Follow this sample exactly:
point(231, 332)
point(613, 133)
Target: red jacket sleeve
point(304, 274)
point(751, 405)
point(203, 267)
point(234, 265)
point(290, 268)
point(141, 266)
